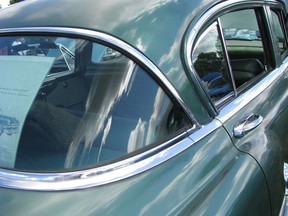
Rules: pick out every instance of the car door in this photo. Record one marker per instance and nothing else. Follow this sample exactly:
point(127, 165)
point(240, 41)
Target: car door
point(133, 150)
point(252, 97)
point(258, 127)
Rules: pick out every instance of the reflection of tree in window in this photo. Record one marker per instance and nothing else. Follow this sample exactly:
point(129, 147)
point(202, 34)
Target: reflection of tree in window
point(208, 56)
point(209, 63)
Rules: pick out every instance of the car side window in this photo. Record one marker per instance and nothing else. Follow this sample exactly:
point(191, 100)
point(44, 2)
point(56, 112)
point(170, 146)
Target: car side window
point(245, 52)
point(210, 64)
point(111, 108)
point(279, 31)
point(244, 45)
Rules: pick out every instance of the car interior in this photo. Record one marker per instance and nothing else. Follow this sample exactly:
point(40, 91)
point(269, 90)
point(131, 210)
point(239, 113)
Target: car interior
point(94, 111)
point(245, 48)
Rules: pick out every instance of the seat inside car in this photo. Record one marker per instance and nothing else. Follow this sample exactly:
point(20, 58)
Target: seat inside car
point(50, 132)
point(245, 69)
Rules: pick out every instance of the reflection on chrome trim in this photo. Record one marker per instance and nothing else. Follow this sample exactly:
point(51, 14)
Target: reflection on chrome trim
point(285, 173)
point(205, 130)
point(240, 102)
point(229, 110)
point(108, 173)
point(193, 31)
point(94, 177)
point(105, 174)
point(284, 207)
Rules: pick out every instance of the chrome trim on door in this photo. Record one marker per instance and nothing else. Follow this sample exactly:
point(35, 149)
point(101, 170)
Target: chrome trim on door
point(248, 124)
point(284, 208)
point(107, 173)
point(193, 33)
point(241, 101)
point(97, 176)
point(205, 130)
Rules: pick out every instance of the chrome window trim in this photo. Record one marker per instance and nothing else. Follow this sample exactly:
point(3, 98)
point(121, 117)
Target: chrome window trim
point(82, 179)
point(125, 47)
point(106, 174)
point(193, 32)
point(191, 39)
point(205, 130)
point(241, 101)
point(284, 207)
point(60, 181)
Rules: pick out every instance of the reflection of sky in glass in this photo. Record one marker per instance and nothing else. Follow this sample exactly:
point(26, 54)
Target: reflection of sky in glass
point(125, 109)
point(104, 93)
point(244, 19)
point(137, 136)
point(209, 42)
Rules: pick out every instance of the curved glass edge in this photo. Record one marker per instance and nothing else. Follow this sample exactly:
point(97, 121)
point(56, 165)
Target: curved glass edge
point(106, 174)
point(233, 107)
point(98, 176)
point(190, 41)
point(241, 101)
point(205, 130)
point(112, 172)
point(119, 44)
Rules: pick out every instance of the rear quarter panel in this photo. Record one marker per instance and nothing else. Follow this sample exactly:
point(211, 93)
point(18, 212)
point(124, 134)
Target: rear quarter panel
point(211, 177)
point(268, 142)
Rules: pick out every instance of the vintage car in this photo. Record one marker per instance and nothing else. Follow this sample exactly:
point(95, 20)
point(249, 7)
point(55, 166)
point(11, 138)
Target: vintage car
point(152, 107)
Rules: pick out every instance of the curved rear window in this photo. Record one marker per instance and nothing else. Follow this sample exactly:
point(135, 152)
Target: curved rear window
point(68, 103)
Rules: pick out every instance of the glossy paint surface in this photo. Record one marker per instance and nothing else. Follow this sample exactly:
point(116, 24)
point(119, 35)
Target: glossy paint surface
point(209, 178)
point(216, 175)
point(266, 143)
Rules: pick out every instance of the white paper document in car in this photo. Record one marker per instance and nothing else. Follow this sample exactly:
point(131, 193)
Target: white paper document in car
point(21, 79)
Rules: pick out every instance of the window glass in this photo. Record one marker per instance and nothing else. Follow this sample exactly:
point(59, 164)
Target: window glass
point(62, 49)
point(245, 61)
point(110, 108)
point(209, 63)
point(102, 53)
point(244, 45)
point(281, 40)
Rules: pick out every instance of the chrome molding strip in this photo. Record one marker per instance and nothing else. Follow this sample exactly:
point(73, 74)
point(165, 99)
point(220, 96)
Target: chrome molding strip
point(284, 207)
point(193, 32)
point(229, 110)
point(205, 130)
point(241, 101)
point(92, 177)
point(285, 174)
point(108, 173)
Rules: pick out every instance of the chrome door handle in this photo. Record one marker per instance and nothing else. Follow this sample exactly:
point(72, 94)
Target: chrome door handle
point(248, 124)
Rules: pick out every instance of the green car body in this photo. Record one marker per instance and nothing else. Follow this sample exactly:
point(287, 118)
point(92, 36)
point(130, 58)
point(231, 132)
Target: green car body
point(227, 159)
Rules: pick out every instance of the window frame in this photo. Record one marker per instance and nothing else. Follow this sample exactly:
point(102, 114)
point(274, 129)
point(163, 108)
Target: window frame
point(213, 15)
point(134, 164)
point(280, 15)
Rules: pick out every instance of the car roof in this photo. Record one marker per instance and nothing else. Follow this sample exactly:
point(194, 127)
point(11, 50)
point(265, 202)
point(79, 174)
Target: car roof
point(157, 28)
point(151, 26)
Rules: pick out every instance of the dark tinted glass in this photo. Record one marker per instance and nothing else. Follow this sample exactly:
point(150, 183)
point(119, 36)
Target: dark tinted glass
point(96, 106)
